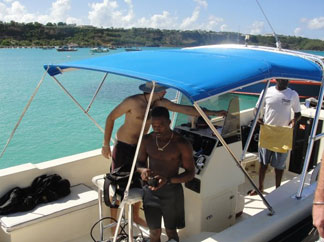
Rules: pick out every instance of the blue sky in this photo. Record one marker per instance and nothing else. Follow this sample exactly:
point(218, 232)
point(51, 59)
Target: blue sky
point(303, 18)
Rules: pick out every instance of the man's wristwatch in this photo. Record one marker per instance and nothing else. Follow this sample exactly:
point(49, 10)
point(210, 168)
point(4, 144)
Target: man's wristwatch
point(168, 180)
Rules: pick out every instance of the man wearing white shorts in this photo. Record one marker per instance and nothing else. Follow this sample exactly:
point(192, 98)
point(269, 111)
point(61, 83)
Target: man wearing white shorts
point(278, 103)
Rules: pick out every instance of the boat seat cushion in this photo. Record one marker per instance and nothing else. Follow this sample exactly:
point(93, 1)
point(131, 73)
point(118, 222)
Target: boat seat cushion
point(250, 156)
point(81, 196)
point(135, 195)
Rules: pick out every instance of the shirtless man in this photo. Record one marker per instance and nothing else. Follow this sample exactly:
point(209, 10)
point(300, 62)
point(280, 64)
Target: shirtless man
point(127, 135)
point(167, 151)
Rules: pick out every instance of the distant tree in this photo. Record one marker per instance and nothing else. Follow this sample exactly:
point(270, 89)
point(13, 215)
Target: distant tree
point(6, 43)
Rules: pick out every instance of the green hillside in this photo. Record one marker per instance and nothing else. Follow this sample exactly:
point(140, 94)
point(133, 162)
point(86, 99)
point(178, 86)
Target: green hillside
point(15, 34)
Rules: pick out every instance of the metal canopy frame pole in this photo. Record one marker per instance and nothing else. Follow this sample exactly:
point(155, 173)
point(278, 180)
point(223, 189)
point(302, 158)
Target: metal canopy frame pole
point(175, 114)
point(130, 236)
point(96, 93)
point(78, 104)
point(319, 136)
point(255, 121)
point(23, 113)
point(311, 141)
point(220, 138)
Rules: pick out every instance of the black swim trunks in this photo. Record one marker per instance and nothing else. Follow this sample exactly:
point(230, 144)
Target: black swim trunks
point(167, 202)
point(122, 156)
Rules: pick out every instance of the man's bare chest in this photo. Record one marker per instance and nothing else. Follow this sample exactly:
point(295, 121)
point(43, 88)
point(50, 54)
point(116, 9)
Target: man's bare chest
point(162, 150)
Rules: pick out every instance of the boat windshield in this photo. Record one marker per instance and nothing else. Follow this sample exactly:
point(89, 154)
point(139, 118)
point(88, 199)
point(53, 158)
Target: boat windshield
point(226, 126)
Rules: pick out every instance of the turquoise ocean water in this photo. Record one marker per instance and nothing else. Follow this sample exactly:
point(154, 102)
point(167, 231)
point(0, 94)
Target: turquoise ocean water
point(54, 126)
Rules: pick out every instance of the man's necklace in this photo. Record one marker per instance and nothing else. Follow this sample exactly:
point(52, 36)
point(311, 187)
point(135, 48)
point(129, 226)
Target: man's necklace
point(162, 148)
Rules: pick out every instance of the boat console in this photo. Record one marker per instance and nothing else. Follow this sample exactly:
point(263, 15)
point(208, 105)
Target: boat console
point(212, 196)
point(204, 142)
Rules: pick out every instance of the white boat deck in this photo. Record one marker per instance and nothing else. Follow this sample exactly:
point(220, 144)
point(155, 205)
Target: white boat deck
point(252, 206)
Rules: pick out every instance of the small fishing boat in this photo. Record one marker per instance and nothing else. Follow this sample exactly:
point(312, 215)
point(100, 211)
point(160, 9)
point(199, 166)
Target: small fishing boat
point(133, 49)
point(66, 48)
point(217, 206)
point(99, 50)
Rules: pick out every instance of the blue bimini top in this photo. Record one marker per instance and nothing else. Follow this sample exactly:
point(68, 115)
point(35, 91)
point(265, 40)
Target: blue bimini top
point(201, 72)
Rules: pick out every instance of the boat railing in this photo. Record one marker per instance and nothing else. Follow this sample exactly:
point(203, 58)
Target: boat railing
point(312, 137)
point(254, 122)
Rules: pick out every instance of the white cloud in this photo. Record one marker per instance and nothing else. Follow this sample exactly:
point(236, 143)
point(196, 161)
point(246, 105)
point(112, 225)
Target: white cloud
point(17, 12)
point(202, 3)
point(298, 31)
point(2, 10)
point(16, 9)
point(316, 23)
point(188, 23)
point(110, 13)
point(165, 20)
point(71, 20)
point(59, 10)
point(224, 27)
point(257, 27)
point(102, 12)
point(107, 14)
point(213, 22)
point(162, 21)
point(130, 15)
